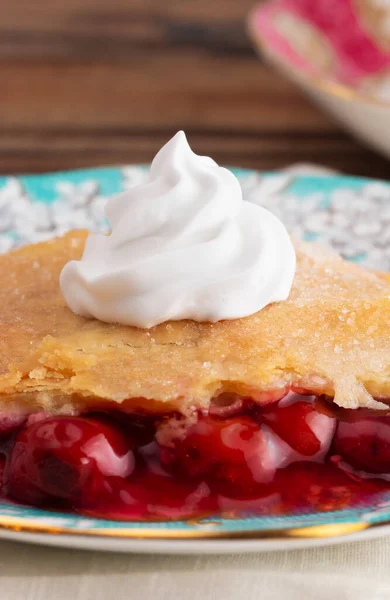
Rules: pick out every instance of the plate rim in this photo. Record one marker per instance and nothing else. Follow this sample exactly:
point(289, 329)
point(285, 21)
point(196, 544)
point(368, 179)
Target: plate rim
point(188, 547)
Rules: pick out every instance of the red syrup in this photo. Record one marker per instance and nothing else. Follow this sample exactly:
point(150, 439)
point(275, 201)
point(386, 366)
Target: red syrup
point(296, 454)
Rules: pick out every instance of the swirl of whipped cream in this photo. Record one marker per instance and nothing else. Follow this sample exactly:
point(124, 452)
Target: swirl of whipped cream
point(183, 245)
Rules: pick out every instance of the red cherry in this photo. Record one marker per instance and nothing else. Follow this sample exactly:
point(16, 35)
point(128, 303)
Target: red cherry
point(172, 499)
point(10, 423)
point(363, 441)
point(271, 396)
point(138, 427)
point(3, 462)
point(152, 495)
point(65, 458)
point(301, 423)
point(228, 405)
point(234, 452)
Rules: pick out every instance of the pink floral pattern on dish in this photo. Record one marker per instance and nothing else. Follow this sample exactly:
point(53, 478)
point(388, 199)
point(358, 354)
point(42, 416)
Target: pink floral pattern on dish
point(332, 37)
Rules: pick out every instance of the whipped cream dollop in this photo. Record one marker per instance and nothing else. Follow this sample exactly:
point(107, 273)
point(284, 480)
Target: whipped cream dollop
point(183, 245)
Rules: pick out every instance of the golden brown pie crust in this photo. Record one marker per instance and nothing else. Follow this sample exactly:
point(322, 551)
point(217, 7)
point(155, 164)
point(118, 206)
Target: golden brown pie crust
point(331, 336)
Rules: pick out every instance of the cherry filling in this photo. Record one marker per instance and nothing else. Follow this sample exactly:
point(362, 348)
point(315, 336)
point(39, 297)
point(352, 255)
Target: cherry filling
point(297, 452)
point(67, 459)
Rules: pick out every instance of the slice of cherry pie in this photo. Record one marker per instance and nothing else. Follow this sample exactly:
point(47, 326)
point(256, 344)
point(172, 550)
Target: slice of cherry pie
point(285, 409)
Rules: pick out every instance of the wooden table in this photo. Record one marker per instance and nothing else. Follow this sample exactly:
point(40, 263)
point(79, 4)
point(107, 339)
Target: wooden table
point(98, 82)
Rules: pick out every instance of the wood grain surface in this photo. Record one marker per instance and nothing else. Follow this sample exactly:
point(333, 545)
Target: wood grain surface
point(108, 81)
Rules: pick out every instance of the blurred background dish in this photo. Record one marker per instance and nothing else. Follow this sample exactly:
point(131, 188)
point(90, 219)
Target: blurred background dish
point(336, 51)
point(98, 83)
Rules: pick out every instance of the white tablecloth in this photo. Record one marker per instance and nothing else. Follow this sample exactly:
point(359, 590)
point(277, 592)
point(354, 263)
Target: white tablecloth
point(359, 571)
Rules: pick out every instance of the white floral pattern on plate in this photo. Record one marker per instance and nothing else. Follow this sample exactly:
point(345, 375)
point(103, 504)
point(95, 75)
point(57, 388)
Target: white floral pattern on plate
point(354, 220)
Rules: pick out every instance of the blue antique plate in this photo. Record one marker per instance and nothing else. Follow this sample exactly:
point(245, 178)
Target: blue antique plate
point(349, 214)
